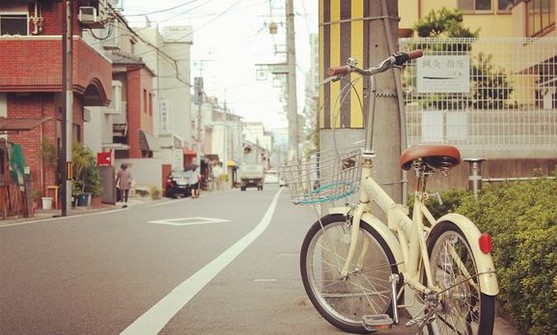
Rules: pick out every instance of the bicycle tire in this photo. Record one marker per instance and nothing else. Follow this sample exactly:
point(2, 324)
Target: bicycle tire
point(365, 291)
point(464, 309)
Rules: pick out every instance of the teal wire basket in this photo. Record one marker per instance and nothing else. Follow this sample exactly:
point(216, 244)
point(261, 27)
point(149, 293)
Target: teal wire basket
point(323, 177)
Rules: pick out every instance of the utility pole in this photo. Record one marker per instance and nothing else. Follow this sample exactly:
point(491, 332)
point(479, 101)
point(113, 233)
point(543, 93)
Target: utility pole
point(67, 113)
point(225, 137)
point(198, 100)
point(292, 114)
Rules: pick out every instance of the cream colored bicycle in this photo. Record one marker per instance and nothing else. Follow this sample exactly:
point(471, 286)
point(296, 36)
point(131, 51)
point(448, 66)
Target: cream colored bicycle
point(359, 271)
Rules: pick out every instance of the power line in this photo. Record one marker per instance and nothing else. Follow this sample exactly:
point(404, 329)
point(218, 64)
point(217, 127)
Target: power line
point(164, 10)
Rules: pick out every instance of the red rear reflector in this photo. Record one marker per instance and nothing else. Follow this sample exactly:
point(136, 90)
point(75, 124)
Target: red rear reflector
point(486, 244)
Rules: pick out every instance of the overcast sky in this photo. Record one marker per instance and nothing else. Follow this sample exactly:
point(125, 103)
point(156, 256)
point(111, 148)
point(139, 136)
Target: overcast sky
point(230, 37)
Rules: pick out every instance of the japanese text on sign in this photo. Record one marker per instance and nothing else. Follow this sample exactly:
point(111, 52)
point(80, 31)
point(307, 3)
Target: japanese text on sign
point(443, 74)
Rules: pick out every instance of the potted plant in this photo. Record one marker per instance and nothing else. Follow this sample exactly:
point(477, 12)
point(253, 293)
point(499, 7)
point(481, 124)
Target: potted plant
point(87, 180)
point(49, 159)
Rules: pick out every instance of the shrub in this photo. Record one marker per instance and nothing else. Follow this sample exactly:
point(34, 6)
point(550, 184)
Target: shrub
point(450, 201)
point(522, 218)
point(86, 174)
point(142, 191)
point(155, 192)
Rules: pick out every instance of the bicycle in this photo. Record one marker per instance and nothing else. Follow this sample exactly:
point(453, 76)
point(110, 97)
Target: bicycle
point(358, 270)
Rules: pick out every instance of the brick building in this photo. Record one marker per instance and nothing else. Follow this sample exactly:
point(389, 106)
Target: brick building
point(31, 80)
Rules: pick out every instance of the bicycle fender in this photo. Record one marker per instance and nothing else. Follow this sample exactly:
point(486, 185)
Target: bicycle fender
point(389, 236)
point(488, 279)
point(381, 228)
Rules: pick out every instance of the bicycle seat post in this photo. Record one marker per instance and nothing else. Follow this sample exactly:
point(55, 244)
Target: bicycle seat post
point(422, 171)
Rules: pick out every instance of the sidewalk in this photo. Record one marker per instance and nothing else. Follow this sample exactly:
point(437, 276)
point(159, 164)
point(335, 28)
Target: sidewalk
point(41, 214)
point(504, 327)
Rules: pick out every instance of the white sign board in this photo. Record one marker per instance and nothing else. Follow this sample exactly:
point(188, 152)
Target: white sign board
point(164, 114)
point(178, 34)
point(443, 74)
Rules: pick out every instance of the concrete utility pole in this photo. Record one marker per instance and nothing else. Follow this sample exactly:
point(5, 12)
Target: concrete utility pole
point(367, 31)
point(67, 114)
point(387, 128)
point(198, 100)
point(292, 99)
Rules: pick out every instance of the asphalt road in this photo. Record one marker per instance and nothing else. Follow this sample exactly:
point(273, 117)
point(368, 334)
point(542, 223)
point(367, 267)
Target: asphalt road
point(224, 263)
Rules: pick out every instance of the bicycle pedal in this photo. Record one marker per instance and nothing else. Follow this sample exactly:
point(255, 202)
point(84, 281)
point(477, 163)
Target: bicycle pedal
point(376, 322)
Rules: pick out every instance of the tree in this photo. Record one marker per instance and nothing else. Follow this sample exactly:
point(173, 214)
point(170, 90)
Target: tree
point(490, 86)
point(443, 23)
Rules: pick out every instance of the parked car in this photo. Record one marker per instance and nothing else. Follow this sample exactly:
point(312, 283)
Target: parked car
point(177, 184)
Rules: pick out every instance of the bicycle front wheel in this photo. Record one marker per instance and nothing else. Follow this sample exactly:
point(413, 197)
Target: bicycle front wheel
point(463, 308)
point(365, 290)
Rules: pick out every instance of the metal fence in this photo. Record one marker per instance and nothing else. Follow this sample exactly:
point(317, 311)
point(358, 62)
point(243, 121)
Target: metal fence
point(491, 97)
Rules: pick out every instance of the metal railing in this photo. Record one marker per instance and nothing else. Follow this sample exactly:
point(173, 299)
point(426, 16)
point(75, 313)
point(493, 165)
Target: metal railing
point(491, 97)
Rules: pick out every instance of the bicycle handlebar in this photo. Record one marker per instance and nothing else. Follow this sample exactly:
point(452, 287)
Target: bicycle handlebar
point(397, 59)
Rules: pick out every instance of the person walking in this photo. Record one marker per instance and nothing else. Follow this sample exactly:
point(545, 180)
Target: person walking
point(217, 176)
point(123, 183)
point(195, 178)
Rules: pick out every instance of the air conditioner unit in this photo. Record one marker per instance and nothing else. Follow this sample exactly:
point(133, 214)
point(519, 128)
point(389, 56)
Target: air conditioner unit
point(87, 15)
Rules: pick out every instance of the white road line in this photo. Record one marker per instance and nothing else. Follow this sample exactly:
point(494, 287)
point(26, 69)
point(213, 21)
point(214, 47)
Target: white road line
point(188, 221)
point(154, 320)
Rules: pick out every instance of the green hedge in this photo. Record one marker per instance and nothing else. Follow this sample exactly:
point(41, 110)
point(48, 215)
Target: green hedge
point(522, 219)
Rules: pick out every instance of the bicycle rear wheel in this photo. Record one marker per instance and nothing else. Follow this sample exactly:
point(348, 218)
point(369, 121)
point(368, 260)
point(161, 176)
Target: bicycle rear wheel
point(366, 289)
point(464, 309)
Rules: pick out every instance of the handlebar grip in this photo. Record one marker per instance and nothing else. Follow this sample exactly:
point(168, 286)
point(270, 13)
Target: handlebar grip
point(338, 70)
point(403, 57)
point(415, 54)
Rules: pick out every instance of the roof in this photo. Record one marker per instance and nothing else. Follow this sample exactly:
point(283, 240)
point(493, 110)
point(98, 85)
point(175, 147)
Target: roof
point(189, 152)
point(8, 124)
point(148, 142)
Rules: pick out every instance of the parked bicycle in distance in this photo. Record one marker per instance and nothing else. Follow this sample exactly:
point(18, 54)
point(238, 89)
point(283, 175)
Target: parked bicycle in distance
point(359, 271)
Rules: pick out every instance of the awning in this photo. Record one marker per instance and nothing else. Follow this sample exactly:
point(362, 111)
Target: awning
point(189, 152)
point(148, 142)
point(212, 157)
point(8, 124)
point(115, 146)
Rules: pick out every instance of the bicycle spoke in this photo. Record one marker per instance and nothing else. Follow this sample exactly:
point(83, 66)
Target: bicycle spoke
point(455, 275)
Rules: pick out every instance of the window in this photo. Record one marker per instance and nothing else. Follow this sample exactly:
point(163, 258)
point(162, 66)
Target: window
point(541, 17)
point(505, 5)
point(14, 24)
point(145, 101)
point(474, 5)
point(150, 104)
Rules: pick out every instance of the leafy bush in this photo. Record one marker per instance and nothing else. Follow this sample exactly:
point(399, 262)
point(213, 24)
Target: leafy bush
point(155, 192)
point(86, 173)
point(522, 218)
point(450, 202)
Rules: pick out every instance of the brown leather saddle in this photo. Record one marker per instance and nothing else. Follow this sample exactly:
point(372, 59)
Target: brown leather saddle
point(436, 156)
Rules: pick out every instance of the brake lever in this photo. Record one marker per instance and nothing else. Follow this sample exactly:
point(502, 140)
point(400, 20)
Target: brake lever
point(328, 80)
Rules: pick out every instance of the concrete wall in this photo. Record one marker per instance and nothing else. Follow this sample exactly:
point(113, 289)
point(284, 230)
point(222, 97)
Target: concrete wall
point(146, 172)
